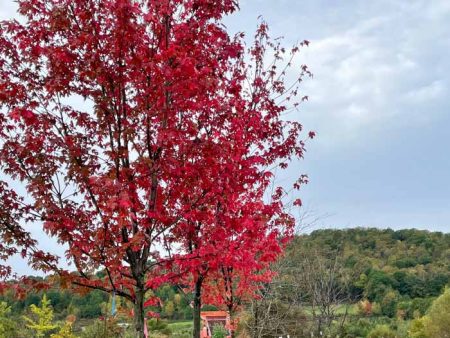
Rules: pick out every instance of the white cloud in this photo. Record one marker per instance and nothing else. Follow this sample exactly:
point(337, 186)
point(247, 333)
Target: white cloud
point(384, 69)
point(426, 93)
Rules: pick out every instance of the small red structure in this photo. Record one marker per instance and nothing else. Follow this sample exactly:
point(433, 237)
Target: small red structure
point(212, 318)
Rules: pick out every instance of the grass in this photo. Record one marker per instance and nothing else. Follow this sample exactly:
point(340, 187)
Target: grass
point(180, 325)
point(340, 310)
point(181, 329)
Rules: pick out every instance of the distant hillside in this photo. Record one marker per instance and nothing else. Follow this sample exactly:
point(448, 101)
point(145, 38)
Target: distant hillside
point(414, 263)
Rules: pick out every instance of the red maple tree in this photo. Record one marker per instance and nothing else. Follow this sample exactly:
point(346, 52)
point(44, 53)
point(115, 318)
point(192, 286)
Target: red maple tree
point(229, 250)
point(140, 135)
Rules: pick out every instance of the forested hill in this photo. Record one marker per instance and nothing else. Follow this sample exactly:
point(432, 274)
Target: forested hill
point(415, 263)
point(385, 247)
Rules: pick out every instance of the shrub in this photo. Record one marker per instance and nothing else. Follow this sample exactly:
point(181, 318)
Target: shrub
point(359, 328)
point(64, 332)
point(417, 328)
point(389, 304)
point(381, 331)
point(7, 325)
point(107, 328)
point(161, 326)
point(219, 331)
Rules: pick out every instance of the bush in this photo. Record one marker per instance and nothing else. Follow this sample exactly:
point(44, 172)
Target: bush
point(359, 328)
point(159, 325)
point(107, 328)
point(64, 332)
point(7, 324)
point(389, 304)
point(219, 331)
point(362, 327)
point(417, 328)
point(381, 331)
point(415, 308)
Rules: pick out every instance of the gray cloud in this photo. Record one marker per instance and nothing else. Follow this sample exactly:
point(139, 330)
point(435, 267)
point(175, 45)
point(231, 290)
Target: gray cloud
point(379, 101)
point(374, 62)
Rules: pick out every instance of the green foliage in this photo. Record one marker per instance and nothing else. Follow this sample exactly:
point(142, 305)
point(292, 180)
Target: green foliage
point(64, 332)
point(107, 328)
point(378, 283)
point(90, 305)
point(399, 273)
point(382, 331)
point(169, 309)
point(181, 329)
point(414, 263)
point(364, 327)
point(63, 303)
point(156, 324)
point(176, 306)
point(414, 308)
point(60, 300)
point(437, 321)
point(41, 321)
point(417, 328)
point(7, 324)
point(358, 328)
point(389, 304)
point(219, 331)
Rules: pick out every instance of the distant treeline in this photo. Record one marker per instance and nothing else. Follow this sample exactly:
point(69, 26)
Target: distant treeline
point(414, 263)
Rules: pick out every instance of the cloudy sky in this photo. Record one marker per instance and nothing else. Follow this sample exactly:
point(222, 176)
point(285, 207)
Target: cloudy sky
point(379, 102)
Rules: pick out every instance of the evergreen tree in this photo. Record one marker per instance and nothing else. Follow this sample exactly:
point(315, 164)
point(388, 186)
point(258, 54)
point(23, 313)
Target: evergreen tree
point(43, 318)
point(7, 325)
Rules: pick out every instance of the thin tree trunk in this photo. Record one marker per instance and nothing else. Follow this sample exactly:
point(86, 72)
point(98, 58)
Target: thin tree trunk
point(139, 313)
point(197, 307)
point(231, 314)
point(256, 318)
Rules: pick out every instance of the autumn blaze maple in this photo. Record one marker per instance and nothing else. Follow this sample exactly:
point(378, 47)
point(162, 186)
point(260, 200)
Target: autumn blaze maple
point(161, 173)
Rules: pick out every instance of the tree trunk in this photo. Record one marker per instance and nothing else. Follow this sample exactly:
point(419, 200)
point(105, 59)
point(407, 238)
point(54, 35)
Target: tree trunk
point(231, 314)
point(139, 313)
point(255, 308)
point(197, 307)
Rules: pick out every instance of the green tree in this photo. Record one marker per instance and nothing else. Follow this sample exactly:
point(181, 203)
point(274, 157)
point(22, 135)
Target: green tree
point(417, 328)
point(389, 304)
point(169, 309)
point(43, 317)
point(437, 321)
point(377, 285)
point(7, 325)
point(177, 300)
point(90, 305)
point(381, 331)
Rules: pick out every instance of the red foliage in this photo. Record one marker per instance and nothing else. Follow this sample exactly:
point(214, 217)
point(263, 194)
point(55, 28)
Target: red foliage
point(162, 169)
